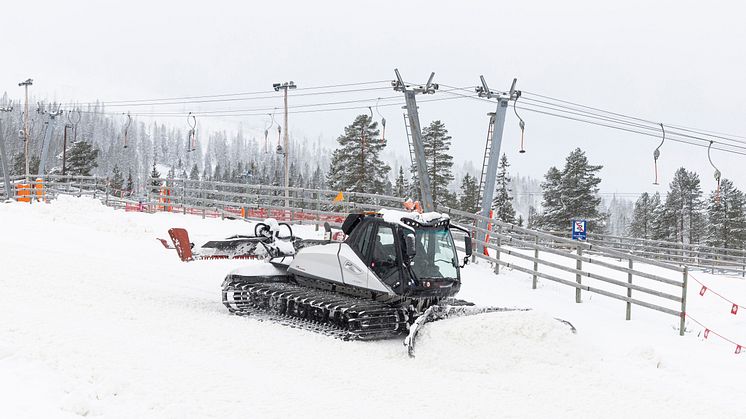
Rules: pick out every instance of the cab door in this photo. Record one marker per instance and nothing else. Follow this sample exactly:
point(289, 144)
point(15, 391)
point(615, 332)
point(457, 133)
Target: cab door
point(354, 255)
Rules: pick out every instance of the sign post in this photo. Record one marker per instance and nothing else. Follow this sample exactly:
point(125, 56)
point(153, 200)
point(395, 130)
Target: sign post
point(579, 230)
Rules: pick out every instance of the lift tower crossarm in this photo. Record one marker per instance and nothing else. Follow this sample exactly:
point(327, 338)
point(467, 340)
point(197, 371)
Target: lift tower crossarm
point(498, 122)
point(414, 123)
point(48, 135)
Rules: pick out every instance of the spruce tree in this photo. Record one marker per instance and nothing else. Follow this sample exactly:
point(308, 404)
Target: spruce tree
point(81, 158)
point(129, 187)
point(727, 220)
point(572, 194)
point(401, 187)
point(18, 165)
point(503, 207)
point(683, 216)
point(356, 165)
point(194, 173)
point(117, 180)
point(437, 142)
point(469, 200)
point(643, 216)
point(155, 183)
point(553, 216)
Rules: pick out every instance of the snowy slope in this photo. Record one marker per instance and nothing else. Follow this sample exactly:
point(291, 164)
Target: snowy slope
point(98, 319)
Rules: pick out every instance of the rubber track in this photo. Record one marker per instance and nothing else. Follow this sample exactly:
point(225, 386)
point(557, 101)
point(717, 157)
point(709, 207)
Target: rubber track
point(320, 311)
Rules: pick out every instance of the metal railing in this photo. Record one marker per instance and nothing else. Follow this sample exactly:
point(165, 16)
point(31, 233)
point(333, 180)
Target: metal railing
point(657, 285)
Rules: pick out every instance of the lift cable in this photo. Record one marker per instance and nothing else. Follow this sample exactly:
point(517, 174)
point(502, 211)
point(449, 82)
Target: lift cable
point(217, 98)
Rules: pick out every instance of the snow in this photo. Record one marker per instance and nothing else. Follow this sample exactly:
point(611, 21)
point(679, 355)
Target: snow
point(98, 319)
point(395, 216)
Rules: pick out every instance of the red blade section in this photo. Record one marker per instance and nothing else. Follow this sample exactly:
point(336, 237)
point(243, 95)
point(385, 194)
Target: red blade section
point(180, 237)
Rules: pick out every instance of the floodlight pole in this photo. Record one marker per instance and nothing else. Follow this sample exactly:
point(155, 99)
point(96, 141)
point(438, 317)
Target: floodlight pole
point(25, 85)
point(498, 122)
point(285, 86)
point(414, 123)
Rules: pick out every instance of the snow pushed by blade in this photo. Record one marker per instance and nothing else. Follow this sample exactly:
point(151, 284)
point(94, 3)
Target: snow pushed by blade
point(497, 342)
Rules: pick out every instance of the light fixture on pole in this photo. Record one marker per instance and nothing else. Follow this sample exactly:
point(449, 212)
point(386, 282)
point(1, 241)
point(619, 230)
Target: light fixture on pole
point(285, 86)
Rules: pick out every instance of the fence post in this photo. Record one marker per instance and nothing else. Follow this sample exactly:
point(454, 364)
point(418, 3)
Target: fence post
point(578, 266)
point(536, 263)
point(106, 191)
point(629, 291)
point(318, 205)
point(683, 300)
point(183, 196)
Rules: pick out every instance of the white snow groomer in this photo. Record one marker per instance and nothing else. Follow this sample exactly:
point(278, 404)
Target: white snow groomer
point(395, 271)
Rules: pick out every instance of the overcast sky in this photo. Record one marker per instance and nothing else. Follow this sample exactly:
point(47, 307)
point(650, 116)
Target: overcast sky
point(678, 62)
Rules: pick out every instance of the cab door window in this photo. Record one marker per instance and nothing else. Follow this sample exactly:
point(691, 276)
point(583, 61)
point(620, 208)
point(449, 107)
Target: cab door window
point(384, 258)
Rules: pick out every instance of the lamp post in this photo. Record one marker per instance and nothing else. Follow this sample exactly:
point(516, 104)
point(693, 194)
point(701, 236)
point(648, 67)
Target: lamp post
point(25, 85)
point(285, 86)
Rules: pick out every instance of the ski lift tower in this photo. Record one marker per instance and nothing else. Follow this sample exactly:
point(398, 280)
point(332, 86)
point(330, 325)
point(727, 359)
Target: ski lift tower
point(416, 146)
point(489, 171)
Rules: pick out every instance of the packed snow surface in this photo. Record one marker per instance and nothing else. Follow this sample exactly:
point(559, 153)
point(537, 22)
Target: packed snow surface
point(98, 319)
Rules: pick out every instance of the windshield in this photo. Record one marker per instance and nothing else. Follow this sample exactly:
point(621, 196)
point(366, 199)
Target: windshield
point(436, 254)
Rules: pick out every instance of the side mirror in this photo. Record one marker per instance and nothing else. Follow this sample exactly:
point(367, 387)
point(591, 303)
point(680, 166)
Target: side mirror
point(467, 245)
point(410, 248)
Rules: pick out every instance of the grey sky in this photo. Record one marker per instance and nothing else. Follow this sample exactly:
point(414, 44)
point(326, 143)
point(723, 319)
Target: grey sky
point(677, 62)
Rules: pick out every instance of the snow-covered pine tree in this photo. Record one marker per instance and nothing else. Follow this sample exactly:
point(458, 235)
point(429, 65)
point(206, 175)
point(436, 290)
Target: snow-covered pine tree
point(194, 173)
point(130, 186)
point(356, 165)
point(155, 184)
point(401, 187)
point(503, 207)
point(116, 181)
point(437, 143)
point(684, 209)
point(317, 178)
point(727, 220)
point(643, 216)
point(533, 222)
point(554, 215)
point(469, 199)
point(18, 165)
point(81, 158)
point(579, 188)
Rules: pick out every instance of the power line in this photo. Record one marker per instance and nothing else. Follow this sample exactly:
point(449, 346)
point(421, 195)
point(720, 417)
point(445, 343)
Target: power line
point(618, 127)
point(689, 129)
point(219, 97)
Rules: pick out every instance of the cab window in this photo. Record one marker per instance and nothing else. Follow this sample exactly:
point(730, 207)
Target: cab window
point(383, 260)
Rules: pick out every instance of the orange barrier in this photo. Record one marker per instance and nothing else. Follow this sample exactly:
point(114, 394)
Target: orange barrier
point(39, 186)
point(487, 236)
point(165, 198)
point(23, 192)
